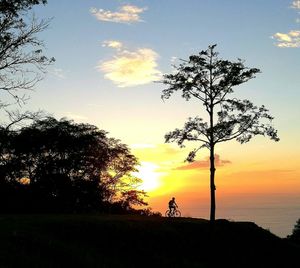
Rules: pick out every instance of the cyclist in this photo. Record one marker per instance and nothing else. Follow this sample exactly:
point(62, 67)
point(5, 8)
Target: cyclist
point(172, 205)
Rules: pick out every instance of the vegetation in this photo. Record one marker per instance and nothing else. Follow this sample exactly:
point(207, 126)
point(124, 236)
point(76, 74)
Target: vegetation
point(53, 169)
point(51, 165)
point(131, 241)
point(210, 80)
point(22, 61)
point(61, 166)
point(295, 236)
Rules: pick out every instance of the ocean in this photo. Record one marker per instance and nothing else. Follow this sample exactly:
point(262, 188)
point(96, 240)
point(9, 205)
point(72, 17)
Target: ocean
point(277, 213)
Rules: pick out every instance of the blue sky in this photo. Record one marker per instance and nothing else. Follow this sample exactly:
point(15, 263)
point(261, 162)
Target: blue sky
point(162, 32)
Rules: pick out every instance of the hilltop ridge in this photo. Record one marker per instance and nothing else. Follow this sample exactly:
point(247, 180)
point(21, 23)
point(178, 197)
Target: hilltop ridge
point(136, 241)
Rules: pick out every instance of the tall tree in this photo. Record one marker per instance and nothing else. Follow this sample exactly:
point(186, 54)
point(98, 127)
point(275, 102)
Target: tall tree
point(22, 61)
point(211, 80)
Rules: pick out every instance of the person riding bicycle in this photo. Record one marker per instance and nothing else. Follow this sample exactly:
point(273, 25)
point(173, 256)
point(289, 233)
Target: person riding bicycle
point(172, 205)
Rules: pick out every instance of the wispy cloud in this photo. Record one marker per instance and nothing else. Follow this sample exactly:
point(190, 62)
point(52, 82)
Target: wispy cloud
point(292, 38)
point(125, 14)
point(112, 44)
point(173, 59)
point(286, 40)
point(130, 68)
point(76, 116)
point(204, 164)
point(296, 4)
point(58, 72)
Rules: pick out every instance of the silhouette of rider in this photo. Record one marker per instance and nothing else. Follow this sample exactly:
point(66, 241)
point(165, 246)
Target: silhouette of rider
point(172, 205)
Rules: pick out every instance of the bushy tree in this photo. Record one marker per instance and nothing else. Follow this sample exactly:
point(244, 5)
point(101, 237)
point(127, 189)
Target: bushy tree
point(64, 166)
point(211, 80)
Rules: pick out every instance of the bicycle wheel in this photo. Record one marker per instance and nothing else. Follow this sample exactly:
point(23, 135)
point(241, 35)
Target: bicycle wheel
point(168, 213)
point(177, 213)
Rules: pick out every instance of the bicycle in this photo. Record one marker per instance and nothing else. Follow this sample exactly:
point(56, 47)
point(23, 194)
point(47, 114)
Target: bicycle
point(173, 213)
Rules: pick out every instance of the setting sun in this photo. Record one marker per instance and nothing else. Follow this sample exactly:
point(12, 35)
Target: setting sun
point(150, 177)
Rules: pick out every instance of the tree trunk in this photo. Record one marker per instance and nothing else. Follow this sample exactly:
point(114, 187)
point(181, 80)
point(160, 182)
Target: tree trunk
point(212, 185)
point(212, 144)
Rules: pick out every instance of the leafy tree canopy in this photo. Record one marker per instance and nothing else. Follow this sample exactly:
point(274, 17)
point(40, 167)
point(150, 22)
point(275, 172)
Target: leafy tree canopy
point(68, 166)
point(14, 7)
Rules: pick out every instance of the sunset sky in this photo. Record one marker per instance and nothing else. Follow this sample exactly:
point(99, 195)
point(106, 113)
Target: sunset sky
point(108, 55)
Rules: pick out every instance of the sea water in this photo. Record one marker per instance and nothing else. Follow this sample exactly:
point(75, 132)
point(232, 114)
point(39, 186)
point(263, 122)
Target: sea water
point(277, 213)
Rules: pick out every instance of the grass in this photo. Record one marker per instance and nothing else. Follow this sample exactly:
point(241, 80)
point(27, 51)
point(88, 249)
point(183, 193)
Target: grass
point(135, 241)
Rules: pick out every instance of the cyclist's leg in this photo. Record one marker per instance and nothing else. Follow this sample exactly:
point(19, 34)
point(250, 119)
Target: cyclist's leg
point(172, 210)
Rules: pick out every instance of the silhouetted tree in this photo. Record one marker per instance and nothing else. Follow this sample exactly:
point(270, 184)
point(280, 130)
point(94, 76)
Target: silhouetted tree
point(296, 232)
point(22, 61)
point(14, 7)
point(62, 165)
point(117, 174)
point(210, 80)
point(17, 119)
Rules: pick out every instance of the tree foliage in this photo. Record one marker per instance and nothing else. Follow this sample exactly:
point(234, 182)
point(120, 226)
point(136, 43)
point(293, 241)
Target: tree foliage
point(63, 166)
point(295, 236)
point(211, 80)
point(15, 7)
point(22, 60)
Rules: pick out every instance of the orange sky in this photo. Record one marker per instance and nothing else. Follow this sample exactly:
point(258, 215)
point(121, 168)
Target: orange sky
point(260, 168)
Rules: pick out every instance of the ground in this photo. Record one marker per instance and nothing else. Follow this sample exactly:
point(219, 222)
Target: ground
point(135, 241)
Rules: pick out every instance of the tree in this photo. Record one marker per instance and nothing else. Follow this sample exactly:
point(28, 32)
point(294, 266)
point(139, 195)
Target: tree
point(61, 166)
point(22, 62)
point(295, 236)
point(16, 119)
point(210, 80)
point(120, 185)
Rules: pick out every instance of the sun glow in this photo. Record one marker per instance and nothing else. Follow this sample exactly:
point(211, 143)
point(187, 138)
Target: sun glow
point(150, 177)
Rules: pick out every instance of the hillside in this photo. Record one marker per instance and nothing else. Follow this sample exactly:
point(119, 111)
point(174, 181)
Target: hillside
point(131, 241)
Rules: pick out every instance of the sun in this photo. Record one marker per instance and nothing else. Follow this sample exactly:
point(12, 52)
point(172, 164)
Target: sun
point(149, 176)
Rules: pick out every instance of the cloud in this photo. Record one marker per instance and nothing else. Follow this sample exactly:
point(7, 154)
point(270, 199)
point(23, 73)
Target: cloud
point(76, 116)
point(112, 44)
point(131, 68)
point(125, 14)
point(173, 59)
point(290, 39)
point(296, 4)
point(57, 72)
point(204, 164)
